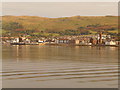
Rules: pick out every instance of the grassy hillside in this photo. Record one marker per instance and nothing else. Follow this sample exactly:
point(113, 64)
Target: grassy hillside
point(33, 25)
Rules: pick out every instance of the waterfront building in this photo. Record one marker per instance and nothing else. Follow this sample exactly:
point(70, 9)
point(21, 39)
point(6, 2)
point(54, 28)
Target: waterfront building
point(66, 41)
point(110, 43)
point(40, 41)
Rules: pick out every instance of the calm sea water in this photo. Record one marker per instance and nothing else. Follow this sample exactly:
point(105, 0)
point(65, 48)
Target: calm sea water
point(60, 67)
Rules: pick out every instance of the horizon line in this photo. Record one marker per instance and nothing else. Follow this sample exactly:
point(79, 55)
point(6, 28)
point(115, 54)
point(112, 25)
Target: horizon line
point(63, 16)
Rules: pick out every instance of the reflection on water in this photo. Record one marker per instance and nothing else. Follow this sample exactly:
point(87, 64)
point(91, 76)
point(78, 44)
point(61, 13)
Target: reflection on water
point(51, 66)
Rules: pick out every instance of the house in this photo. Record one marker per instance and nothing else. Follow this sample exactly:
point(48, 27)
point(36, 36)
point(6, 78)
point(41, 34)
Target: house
point(67, 41)
point(110, 43)
point(40, 41)
point(93, 41)
point(74, 41)
point(77, 41)
point(27, 40)
point(16, 40)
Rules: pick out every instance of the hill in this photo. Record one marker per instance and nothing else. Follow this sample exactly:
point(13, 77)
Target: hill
point(40, 26)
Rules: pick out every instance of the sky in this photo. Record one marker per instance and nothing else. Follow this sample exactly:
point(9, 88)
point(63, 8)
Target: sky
point(60, 0)
point(59, 9)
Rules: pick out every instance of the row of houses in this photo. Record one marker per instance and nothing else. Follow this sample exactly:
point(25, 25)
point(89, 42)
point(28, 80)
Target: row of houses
point(75, 40)
point(86, 40)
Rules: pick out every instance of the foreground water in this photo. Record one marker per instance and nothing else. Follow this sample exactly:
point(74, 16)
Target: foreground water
point(60, 67)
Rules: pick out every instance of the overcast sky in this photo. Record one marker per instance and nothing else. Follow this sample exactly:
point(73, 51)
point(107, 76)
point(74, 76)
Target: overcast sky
point(60, 9)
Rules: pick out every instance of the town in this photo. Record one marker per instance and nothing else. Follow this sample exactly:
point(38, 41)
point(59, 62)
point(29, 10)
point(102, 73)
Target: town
point(81, 40)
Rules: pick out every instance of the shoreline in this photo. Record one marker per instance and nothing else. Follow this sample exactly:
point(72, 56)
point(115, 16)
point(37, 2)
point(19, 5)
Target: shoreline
point(83, 45)
point(54, 44)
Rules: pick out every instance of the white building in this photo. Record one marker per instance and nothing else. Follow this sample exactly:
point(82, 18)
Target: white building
point(110, 43)
point(40, 41)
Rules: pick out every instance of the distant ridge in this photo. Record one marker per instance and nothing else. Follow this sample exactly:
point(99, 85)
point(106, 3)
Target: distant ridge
point(36, 23)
